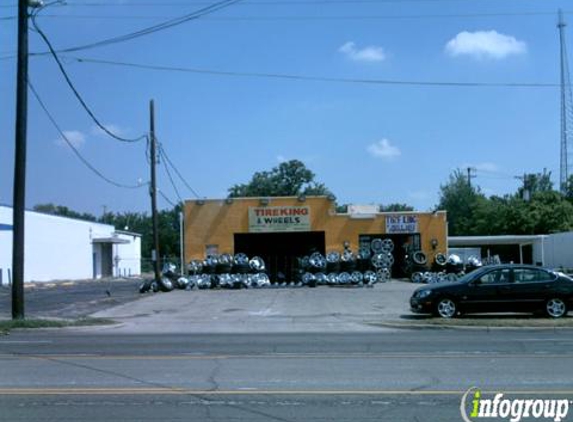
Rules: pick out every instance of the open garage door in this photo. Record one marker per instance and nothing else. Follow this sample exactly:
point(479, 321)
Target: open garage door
point(404, 243)
point(280, 250)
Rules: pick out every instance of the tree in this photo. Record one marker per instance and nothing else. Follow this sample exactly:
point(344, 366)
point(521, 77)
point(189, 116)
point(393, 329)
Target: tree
point(63, 211)
point(290, 178)
point(536, 182)
point(135, 222)
point(396, 208)
point(471, 213)
point(460, 200)
point(168, 224)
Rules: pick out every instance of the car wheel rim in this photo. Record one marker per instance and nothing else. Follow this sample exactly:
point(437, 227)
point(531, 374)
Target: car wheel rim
point(446, 308)
point(555, 308)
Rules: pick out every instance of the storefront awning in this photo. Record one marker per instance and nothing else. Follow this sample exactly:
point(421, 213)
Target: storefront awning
point(112, 240)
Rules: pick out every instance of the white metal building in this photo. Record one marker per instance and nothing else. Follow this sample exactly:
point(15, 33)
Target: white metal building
point(61, 248)
point(552, 250)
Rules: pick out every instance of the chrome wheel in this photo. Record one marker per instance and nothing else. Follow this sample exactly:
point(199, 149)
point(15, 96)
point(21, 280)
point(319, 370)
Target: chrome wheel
point(446, 308)
point(555, 308)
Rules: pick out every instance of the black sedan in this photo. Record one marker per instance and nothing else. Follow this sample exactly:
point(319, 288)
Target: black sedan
point(499, 288)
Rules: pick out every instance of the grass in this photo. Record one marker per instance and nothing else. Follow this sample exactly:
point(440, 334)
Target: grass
point(7, 325)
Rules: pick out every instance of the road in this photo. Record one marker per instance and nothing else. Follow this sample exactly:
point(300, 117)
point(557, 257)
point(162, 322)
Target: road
point(404, 375)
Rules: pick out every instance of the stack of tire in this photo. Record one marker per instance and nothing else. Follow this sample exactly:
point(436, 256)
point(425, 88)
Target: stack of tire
point(382, 258)
point(446, 268)
point(364, 268)
point(215, 271)
point(169, 280)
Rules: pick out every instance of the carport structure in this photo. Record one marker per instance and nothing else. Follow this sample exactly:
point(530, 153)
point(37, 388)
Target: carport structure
point(524, 249)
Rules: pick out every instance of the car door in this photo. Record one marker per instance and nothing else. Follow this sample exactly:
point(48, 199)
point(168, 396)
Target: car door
point(490, 292)
point(531, 288)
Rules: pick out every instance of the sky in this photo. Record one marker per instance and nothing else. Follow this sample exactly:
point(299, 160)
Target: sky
point(264, 81)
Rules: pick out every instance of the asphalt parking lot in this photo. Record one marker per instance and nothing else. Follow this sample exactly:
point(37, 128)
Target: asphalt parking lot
point(71, 299)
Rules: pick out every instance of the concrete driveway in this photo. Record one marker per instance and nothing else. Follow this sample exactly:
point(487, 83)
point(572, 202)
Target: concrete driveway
point(323, 309)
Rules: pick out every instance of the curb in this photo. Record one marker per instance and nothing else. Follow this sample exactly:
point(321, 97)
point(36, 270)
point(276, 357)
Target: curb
point(410, 326)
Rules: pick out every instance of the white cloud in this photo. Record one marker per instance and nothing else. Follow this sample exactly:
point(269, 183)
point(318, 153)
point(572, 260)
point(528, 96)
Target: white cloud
point(75, 137)
point(384, 149)
point(370, 53)
point(485, 44)
point(281, 158)
point(115, 129)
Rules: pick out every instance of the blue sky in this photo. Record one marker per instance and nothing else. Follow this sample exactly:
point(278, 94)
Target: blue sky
point(369, 143)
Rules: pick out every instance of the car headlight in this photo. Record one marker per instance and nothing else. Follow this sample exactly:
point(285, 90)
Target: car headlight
point(424, 293)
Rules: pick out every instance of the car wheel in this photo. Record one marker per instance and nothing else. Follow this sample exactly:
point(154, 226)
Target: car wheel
point(555, 308)
point(446, 308)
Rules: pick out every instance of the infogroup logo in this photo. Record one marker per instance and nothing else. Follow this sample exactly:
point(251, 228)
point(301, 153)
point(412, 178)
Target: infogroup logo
point(474, 406)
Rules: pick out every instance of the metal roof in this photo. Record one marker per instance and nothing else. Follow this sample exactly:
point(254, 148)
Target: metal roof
point(114, 240)
point(494, 240)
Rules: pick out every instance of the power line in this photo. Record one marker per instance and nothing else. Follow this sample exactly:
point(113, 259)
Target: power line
point(74, 149)
point(171, 179)
point(309, 18)
point(173, 204)
point(169, 162)
point(75, 91)
point(316, 78)
point(151, 29)
point(250, 3)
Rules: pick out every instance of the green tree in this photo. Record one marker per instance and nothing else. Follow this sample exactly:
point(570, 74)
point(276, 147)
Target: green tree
point(396, 208)
point(290, 178)
point(63, 211)
point(536, 182)
point(545, 211)
point(460, 200)
point(137, 222)
point(168, 227)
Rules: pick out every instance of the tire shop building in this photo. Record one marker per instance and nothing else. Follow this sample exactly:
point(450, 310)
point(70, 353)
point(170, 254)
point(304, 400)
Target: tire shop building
point(61, 248)
point(282, 229)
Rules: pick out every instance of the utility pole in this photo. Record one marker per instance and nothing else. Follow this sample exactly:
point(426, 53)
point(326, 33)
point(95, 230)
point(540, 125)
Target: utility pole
point(526, 193)
point(566, 108)
point(19, 203)
point(153, 192)
point(470, 176)
point(183, 269)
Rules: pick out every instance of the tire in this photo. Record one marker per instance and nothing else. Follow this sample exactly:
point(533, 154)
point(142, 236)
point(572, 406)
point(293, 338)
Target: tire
point(165, 284)
point(145, 286)
point(440, 259)
point(419, 258)
point(555, 308)
point(446, 308)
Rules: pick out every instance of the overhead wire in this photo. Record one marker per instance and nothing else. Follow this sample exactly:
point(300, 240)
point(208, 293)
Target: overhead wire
point(74, 149)
point(76, 92)
point(248, 3)
point(308, 18)
point(166, 198)
point(151, 29)
point(169, 162)
point(166, 167)
point(314, 78)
